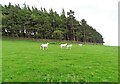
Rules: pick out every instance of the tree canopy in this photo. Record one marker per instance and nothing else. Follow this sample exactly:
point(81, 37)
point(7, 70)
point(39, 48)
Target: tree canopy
point(40, 24)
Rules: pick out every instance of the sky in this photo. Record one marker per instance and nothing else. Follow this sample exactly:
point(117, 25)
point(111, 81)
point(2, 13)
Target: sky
point(102, 15)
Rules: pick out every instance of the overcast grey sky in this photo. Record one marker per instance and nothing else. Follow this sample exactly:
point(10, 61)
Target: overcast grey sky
point(100, 14)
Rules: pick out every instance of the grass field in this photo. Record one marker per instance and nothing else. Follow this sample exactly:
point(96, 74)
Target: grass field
point(0, 60)
point(23, 61)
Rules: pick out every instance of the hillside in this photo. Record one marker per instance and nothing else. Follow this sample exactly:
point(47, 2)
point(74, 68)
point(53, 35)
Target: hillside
point(23, 61)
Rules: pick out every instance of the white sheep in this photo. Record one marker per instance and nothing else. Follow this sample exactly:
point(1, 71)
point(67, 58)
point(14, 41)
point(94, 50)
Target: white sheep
point(80, 44)
point(44, 46)
point(69, 46)
point(63, 45)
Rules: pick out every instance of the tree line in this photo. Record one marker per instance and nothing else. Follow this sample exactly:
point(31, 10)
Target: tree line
point(40, 24)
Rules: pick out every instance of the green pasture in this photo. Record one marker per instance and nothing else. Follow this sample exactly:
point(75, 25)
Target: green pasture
point(0, 60)
point(23, 61)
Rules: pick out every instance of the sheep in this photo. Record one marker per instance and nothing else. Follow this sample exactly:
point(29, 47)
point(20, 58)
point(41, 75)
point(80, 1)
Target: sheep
point(44, 46)
point(63, 45)
point(69, 46)
point(80, 44)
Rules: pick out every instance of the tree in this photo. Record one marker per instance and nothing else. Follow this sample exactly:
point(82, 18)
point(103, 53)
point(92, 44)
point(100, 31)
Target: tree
point(57, 34)
point(34, 23)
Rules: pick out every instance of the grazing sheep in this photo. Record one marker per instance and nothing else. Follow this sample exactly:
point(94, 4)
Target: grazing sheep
point(80, 44)
point(63, 45)
point(69, 46)
point(44, 46)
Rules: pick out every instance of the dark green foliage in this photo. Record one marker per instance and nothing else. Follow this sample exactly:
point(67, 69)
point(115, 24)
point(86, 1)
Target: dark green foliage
point(34, 23)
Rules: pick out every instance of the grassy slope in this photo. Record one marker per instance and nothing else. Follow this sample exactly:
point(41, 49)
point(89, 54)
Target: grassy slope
point(0, 60)
point(24, 61)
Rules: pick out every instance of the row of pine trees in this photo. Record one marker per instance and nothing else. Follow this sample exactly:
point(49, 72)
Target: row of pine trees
point(40, 24)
